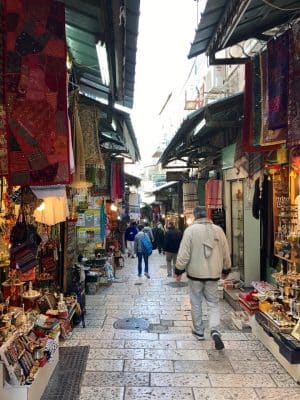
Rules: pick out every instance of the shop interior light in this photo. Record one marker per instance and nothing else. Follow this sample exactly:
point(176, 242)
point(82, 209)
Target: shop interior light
point(41, 207)
point(103, 62)
point(189, 221)
point(181, 215)
point(113, 207)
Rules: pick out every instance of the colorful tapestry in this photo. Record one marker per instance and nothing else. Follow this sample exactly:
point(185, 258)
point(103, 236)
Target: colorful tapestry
point(89, 115)
point(35, 92)
point(267, 136)
point(248, 122)
point(117, 179)
point(278, 72)
point(294, 88)
point(3, 140)
point(256, 100)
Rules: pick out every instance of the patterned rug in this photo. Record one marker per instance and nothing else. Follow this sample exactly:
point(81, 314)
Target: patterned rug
point(66, 379)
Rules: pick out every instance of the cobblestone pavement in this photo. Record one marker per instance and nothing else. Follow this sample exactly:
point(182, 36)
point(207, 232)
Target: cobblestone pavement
point(166, 361)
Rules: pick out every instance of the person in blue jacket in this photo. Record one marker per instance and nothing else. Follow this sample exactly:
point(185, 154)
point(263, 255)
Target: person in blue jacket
point(130, 234)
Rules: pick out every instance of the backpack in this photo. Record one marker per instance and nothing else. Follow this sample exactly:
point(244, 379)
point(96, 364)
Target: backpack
point(146, 245)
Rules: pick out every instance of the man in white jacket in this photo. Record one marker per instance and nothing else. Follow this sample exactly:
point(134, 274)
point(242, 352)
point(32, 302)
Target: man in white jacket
point(204, 256)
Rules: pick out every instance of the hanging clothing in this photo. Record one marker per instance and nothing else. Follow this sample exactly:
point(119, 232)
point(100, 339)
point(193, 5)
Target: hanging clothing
point(213, 193)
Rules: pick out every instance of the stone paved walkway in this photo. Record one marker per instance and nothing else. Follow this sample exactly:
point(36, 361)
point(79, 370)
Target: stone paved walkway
point(167, 362)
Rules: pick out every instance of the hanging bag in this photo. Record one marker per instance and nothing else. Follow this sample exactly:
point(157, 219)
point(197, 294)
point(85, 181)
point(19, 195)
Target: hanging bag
point(22, 257)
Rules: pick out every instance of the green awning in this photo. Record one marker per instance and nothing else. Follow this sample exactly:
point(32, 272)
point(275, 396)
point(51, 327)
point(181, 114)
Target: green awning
point(225, 23)
point(194, 138)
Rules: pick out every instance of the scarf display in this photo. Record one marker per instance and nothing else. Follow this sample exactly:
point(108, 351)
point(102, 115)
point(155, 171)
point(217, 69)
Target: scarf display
point(267, 136)
point(213, 193)
point(278, 72)
point(78, 142)
point(117, 179)
point(294, 88)
point(35, 82)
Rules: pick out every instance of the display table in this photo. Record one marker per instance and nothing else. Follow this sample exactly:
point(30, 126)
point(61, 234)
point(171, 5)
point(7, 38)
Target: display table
point(28, 392)
point(272, 346)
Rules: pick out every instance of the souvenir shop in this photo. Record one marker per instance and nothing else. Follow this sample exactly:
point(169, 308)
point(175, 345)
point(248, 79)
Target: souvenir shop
point(62, 192)
point(271, 141)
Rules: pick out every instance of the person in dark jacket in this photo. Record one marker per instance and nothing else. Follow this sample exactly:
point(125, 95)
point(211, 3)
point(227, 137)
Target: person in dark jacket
point(130, 234)
point(159, 237)
point(172, 241)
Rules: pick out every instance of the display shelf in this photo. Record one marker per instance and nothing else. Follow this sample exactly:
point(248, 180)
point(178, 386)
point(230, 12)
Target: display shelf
point(292, 260)
point(272, 346)
point(28, 392)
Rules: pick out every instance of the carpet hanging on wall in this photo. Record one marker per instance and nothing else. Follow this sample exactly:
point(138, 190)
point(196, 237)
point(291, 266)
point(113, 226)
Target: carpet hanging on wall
point(35, 79)
point(3, 140)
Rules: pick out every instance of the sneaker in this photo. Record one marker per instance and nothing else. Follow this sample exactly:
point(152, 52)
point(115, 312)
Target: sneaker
point(147, 275)
point(169, 275)
point(219, 345)
point(199, 336)
point(139, 275)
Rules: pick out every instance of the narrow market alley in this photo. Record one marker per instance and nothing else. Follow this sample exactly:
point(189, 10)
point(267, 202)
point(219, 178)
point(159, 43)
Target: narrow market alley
point(166, 361)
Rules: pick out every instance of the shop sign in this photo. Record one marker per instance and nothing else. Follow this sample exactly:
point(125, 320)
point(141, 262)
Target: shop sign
point(177, 176)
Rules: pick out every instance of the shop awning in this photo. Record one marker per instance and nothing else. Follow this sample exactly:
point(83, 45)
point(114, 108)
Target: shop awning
point(227, 22)
point(115, 24)
point(132, 180)
point(164, 187)
point(194, 139)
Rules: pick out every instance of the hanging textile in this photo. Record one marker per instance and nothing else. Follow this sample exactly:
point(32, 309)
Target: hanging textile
point(78, 141)
point(248, 122)
point(201, 191)
point(278, 72)
point(117, 179)
point(190, 197)
point(256, 100)
point(294, 88)
point(267, 136)
point(89, 116)
point(103, 220)
point(36, 92)
point(213, 193)
point(3, 140)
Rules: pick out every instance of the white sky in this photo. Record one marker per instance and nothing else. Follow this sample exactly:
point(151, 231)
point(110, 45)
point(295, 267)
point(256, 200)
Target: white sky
point(166, 31)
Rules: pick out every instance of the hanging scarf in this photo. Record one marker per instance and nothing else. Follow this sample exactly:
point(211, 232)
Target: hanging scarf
point(267, 136)
point(294, 89)
point(278, 71)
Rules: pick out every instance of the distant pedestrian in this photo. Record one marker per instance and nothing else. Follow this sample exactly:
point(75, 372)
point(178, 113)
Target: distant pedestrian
point(204, 255)
point(130, 234)
point(147, 229)
point(159, 237)
point(138, 248)
point(172, 241)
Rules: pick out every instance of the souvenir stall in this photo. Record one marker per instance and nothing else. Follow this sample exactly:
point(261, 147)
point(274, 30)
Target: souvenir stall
point(34, 153)
point(271, 121)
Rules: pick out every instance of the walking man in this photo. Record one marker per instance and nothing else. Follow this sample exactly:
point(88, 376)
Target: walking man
point(204, 255)
point(159, 236)
point(172, 241)
point(138, 248)
point(130, 234)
